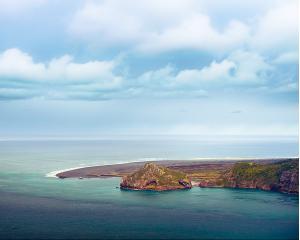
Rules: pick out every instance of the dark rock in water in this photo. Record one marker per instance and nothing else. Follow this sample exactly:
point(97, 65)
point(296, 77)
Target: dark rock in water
point(184, 183)
point(157, 178)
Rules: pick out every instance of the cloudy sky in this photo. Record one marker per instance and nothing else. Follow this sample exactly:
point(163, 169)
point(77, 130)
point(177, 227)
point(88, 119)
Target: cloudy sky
point(92, 68)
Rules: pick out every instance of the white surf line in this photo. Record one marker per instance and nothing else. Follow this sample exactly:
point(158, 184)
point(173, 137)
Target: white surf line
point(54, 173)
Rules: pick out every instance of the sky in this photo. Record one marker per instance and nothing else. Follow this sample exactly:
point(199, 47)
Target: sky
point(113, 67)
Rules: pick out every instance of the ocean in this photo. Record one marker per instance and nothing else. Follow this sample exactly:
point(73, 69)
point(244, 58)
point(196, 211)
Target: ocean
point(34, 206)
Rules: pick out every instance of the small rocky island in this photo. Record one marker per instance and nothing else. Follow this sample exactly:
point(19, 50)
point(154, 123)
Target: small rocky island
point(156, 178)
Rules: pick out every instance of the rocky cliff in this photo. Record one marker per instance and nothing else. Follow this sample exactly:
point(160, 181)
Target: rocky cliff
point(157, 178)
point(280, 176)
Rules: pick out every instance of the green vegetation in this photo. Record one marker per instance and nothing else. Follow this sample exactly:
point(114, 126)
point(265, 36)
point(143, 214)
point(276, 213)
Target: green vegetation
point(205, 175)
point(267, 173)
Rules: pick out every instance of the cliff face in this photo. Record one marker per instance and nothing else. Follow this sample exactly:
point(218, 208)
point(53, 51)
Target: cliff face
point(157, 178)
point(289, 181)
point(281, 176)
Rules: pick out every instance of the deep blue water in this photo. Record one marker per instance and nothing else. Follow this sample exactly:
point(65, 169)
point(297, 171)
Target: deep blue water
point(35, 206)
point(194, 214)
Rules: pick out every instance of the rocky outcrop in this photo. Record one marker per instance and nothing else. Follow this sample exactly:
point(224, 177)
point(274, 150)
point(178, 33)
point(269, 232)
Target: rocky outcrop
point(281, 176)
point(210, 183)
point(156, 178)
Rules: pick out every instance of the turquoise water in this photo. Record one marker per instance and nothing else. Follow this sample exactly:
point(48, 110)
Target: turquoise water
point(35, 206)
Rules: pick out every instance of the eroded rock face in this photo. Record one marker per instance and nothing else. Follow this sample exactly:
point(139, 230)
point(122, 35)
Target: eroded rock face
point(209, 184)
point(157, 178)
point(289, 181)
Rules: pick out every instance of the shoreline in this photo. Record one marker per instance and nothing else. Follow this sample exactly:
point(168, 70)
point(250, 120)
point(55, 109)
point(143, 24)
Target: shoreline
point(53, 174)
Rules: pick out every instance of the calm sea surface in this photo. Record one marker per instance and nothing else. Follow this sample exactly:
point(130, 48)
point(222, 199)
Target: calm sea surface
point(35, 206)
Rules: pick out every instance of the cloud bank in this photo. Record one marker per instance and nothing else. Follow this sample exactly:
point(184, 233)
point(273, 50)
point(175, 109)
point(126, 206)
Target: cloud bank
point(252, 47)
point(63, 78)
point(171, 67)
point(159, 26)
point(22, 77)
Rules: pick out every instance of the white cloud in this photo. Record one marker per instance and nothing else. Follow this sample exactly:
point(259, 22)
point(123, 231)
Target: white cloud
point(155, 26)
point(158, 26)
point(196, 32)
point(115, 19)
point(18, 70)
point(214, 72)
point(277, 30)
point(108, 24)
point(64, 78)
point(19, 65)
point(100, 72)
point(240, 68)
point(248, 46)
point(157, 78)
point(250, 67)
